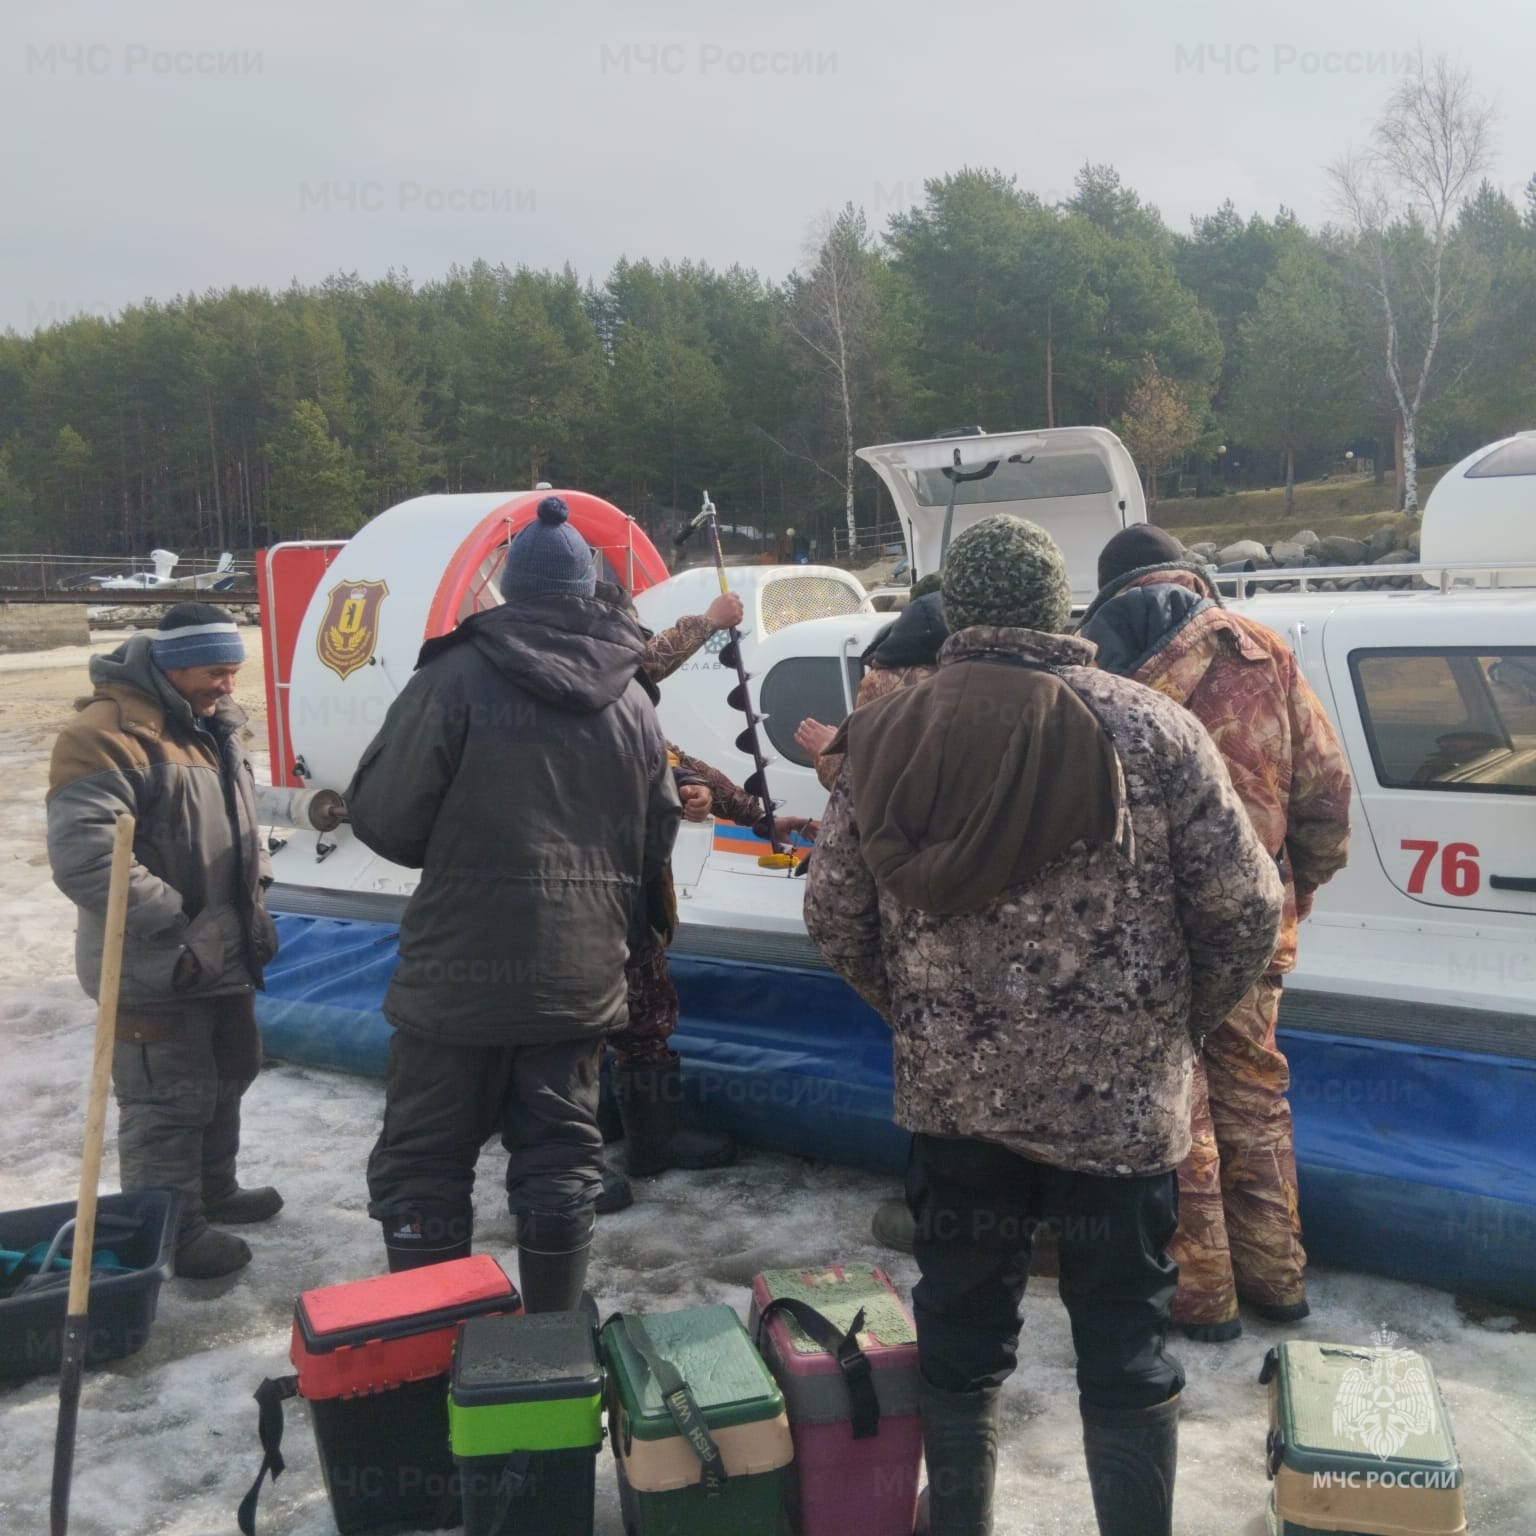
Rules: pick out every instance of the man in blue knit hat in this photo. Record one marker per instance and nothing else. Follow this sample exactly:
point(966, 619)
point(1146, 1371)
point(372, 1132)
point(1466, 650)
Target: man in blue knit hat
point(162, 739)
point(524, 772)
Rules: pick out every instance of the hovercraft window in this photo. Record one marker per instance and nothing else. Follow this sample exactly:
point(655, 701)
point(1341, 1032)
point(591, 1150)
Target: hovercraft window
point(1449, 719)
point(802, 686)
point(1516, 458)
point(1043, 478)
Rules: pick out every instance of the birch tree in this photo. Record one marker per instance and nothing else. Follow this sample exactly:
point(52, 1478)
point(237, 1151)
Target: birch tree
point(829, 313)
point(1402, 195)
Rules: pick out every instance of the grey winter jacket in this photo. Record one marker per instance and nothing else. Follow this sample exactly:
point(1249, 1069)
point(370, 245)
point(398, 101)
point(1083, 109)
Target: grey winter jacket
point(199, 859)
point(524, 772)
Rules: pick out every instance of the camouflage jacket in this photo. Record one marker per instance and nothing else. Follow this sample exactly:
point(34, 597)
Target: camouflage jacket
point(1239, 679)
point(666, 652)
point(875, 684)
point(728, 800)
point(1062, 1019)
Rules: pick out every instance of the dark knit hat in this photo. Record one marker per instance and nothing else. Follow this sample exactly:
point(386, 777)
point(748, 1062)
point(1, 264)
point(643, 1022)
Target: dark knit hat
point(1008, 572)
point(549, 556)
point(932, 582)
point(1135, 547)
point(197, 635)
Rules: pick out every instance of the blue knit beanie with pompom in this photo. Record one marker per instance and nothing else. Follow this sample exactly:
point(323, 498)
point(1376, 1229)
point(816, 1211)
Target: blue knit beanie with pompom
point(549, 556)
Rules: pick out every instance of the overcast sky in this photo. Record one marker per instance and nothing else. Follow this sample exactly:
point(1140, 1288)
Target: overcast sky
point(153, 149)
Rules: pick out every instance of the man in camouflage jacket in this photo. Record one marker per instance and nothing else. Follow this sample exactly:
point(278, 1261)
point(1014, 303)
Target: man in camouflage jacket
point(1157, 619)
point(647, 1075)
point(1042, 878)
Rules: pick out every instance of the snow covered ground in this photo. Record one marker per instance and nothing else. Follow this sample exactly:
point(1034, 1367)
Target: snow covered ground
point(167, 1438)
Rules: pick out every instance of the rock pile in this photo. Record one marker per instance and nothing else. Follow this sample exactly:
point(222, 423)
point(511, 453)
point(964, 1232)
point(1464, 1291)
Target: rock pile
point(1304, 550)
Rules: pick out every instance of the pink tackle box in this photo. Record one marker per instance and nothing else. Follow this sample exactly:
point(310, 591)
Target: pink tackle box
point(843, 1350)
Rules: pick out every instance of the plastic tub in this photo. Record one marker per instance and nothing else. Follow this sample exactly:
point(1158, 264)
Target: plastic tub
point(122, 1307)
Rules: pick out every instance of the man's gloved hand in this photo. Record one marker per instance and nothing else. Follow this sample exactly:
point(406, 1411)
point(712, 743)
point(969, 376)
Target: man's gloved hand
point(725, 611)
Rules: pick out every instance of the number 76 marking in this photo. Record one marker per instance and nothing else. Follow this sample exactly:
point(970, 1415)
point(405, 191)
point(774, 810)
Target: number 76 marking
point(1459, 872)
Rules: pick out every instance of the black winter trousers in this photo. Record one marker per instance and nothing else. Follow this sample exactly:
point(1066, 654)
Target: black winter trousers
point(977, 1207)
point(443, 1102)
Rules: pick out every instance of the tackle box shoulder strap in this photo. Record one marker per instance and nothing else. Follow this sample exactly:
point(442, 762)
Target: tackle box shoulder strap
point(270, 1397)
point(851, 1360)
point(679, 1400)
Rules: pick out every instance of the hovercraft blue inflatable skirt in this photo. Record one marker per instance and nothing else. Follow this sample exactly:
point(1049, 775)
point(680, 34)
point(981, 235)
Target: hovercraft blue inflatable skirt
point(1415, 1161)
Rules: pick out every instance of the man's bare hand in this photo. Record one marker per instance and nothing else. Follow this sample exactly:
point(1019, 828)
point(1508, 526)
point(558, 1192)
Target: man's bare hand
point(786, 827)
point(726, 611)
point(813, 738)
point(696, 800)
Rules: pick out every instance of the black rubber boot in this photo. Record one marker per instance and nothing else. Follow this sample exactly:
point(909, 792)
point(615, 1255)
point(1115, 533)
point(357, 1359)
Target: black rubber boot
point(616, 1194)
point(1132, 1454)
point(1212, 1333)
point(1274, 1312)
point(960, 1447)
point(242, 1207)
point(211, 1255)
point(650, 1103)
point(552, 1252)
point(419, 1235)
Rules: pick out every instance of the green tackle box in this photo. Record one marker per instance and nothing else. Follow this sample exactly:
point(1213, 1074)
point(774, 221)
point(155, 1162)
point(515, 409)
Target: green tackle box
point(696, 1370)
point(1359, 1443)
point(525, 1419)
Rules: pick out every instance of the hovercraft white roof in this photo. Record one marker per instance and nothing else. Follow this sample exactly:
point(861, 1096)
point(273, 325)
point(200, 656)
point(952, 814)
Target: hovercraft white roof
point(1078, 483)
point(1484, 509)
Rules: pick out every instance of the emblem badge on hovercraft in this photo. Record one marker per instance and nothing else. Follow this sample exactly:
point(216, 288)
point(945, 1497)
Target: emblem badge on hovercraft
point(350, 629)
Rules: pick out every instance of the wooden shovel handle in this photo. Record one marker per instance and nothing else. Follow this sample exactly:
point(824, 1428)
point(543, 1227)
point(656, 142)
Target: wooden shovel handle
point(101, 1066)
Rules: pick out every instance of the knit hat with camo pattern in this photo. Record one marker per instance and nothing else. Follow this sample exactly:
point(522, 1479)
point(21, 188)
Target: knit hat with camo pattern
point(1009, 572)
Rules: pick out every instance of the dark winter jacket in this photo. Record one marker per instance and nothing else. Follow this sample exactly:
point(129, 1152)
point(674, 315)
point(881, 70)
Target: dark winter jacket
point(1061, 1017)
point(524, 772)
point(1163, 626)
point(199, 862)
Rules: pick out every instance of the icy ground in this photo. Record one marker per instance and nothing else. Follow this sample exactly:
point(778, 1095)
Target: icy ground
point(167, 1438)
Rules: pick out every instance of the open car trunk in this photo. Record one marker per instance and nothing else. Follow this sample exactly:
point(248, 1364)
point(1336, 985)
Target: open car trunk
point(1078, 483)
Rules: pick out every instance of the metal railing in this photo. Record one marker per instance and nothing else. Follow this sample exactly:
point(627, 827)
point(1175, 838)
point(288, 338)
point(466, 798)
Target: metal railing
point(1405, 577)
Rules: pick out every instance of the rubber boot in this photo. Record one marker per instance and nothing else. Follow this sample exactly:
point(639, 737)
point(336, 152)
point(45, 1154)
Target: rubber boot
point(1212, 1333)
point(1132, 1454)
point(210, 1255)
point(960, 1447)
point(429, 1233)
point(552, 1252)
point(893, 1226)
point(650, 1103)
point(1274, 1312)
point(242, 1207)
point(616, 1194)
